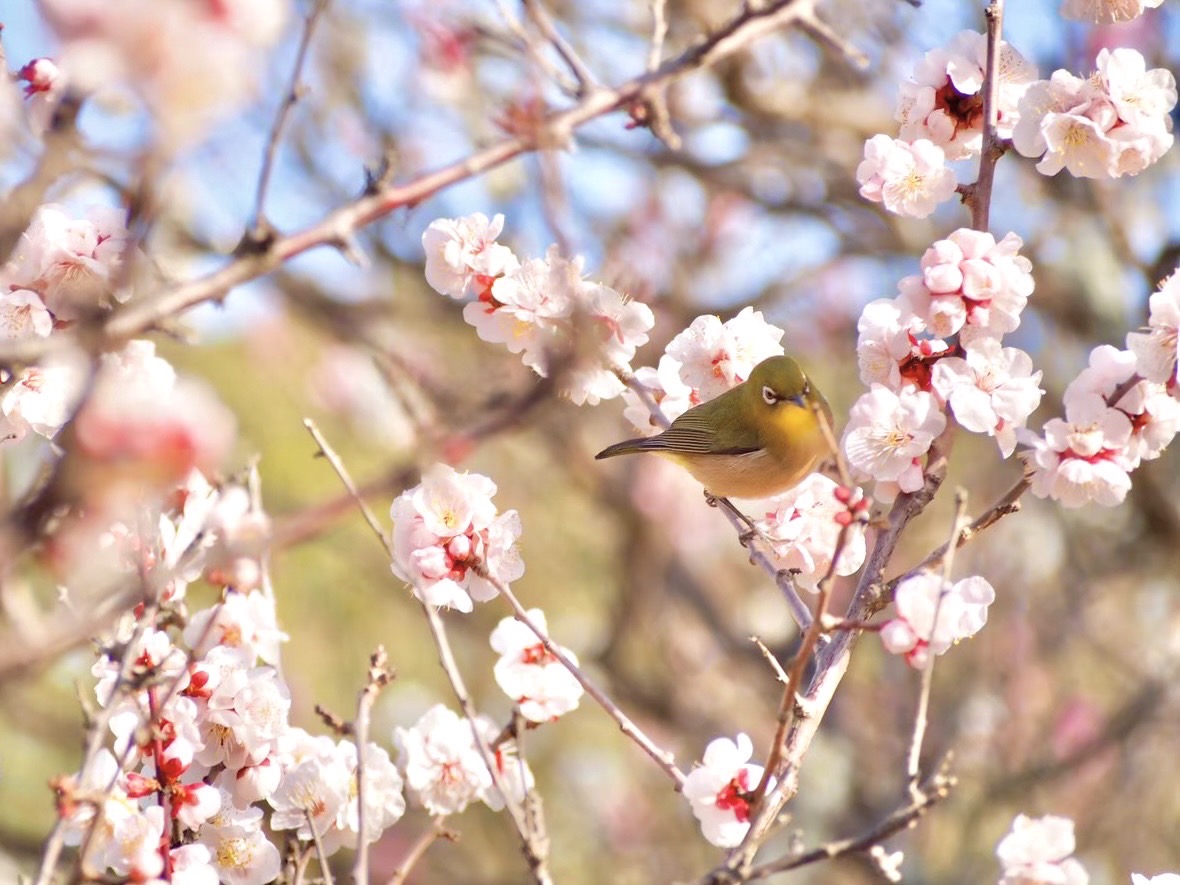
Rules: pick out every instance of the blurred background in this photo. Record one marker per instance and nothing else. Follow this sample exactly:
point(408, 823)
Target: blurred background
point(1062, 704)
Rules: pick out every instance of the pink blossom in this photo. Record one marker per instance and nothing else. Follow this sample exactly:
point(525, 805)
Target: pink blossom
point(529, 674)
point(992, 390)
point(910, 179)
point(714, 356)
point(666, 387)
point(888, 433)
point(463, 257)
point(1155, 348)
point(719, 790)
point(888, 349)
point(1037, 851)
point(445, 530)
point(944, 103)
point(933, 615)
point(442, 765)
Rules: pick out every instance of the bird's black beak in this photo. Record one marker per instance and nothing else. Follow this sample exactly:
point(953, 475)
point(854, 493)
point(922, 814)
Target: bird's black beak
point(800, 401)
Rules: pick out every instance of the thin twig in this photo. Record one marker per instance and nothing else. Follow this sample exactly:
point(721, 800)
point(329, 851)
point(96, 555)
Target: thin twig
point(661, 757)
point(779, 672)
point(379, 676)
point(325, 871)
point(921, 715)
point(260, 233)
point(544, 22)
point(419, 848)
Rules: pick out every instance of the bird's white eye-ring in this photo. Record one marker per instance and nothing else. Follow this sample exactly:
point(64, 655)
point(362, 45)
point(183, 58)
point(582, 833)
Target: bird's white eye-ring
point(768, 395)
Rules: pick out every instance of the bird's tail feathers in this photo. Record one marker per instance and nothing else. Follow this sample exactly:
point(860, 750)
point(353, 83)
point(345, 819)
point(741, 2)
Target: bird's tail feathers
point(629, 447)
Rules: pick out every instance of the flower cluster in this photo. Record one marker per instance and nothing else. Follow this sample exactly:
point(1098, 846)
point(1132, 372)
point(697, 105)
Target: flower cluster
point(1038, 851)
point(447, 535)
point(133, 44)
point(933, 614)
point(943, 102)
point(543, 308)
point(720, 789)
point(542, 687)
point(1088, 456)
point(446, 770)
point(970, 286)
point(64, 268)
point(1114, 123)
point(702, 362)
point(803, 527)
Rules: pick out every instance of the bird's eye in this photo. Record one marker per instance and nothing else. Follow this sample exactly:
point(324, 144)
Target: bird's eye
point(769, 396)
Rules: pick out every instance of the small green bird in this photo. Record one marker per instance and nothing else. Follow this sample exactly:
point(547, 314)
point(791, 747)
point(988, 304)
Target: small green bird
point(756, 440)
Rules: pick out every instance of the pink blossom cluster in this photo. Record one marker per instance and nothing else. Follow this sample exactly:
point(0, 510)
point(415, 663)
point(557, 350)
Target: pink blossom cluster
point(542, 687)
point(137, 426)
point(64, 268)
point(943, 101)
point(133, 45)
point(542, 308)
point(1114, 123)
point(702, 362)
point(44, 85)
point(934, 614)
point(1088, 455)
point(720, 789)
point(970, 286)
point(1039, 851)
point(447, 535)
point(445, 768)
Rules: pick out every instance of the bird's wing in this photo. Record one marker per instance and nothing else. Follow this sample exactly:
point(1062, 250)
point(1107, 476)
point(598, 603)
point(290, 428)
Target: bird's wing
point(693, 433)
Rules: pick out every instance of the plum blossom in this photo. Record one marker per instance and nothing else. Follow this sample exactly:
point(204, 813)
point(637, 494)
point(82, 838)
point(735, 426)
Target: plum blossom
point(1082, 458)
point(1114, 123)
point(513, 774)
point(443, 767)
point(310, 795)
point(720, 789)
point(445, 530)
point(72, 263)
point(530, 674)
point(242, 854)
point(1154, 414)
point(542, 309)
point(133, 43)
point(1155, 348)
point(144, 424)
point(1105, 12)
point(667, 388)
point(803, 526)
point(969, 279)
point(888, 433)
point(44, 86)
point(463, 257)
point(23, 315)
point(192, 865)
point(992, 390)
point(888, 350)
point(714, 356)
point(960, 608)
point(245, 621)
point(1037, 851)
point(246, 715)
point(943, 103)
point(43, 397)
point(910, 179)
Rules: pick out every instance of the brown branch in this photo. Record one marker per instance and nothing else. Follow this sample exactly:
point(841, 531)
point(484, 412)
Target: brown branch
point(979, 194)
point(419, 848)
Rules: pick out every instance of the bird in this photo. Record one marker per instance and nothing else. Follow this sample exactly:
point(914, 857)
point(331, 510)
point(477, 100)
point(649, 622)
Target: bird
point(758, 439)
